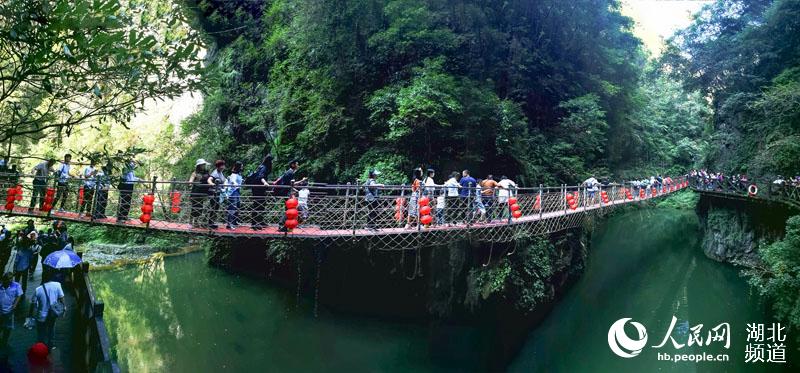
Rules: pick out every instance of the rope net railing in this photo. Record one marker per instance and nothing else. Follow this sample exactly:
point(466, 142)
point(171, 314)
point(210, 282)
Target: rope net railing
point(390, 216)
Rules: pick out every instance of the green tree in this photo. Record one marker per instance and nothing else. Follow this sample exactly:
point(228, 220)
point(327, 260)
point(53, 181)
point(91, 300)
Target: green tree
point(65, 63)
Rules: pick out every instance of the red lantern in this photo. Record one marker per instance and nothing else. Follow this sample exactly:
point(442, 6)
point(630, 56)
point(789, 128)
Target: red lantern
point(513, 200)
point(18, 194)
point(176, 202)
point(147, 209)
point(80, 196)
point(291, 223)
point(424, 201)
point(291, 203)
point(50, 192)
point(46, 206)
point(176, 210)
point(291, 214)
point(515, 207)
point(10, 199)
point(570, 197)
point(426, 219)
point(10, 206)
point(145, 218)
point(516, 214)
point(148, 199)
point(425, 210)
point(536, 204)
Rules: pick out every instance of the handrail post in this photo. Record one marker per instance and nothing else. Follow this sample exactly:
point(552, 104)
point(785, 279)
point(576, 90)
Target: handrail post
point(564, 198)
point(355, 208)
point(346, 201)
point(585, 202)
point(541, 202)
point(94, 199)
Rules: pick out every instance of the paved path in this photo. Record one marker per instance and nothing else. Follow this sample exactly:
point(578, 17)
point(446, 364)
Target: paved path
point(13, 357)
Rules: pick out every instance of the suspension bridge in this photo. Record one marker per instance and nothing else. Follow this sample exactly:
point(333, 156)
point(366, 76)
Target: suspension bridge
point(398, 216)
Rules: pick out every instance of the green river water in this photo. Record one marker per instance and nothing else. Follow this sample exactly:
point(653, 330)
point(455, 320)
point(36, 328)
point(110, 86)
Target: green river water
point(180, 315)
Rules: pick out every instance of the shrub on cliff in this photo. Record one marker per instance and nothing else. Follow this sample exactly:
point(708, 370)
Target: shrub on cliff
point(779, 277)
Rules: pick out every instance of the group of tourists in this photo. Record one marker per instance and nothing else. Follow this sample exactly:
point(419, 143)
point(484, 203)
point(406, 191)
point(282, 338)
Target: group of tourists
point(459, 199)
point(213, 189)
point(96, 182)
point(19, 256)
point(718, 181)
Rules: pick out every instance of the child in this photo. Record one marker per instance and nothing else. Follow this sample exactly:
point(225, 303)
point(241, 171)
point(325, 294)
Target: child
point(440, 203)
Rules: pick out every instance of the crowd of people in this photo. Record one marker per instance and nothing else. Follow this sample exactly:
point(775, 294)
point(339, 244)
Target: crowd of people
point(216, 190)
point(20, 253)
point(703, 179)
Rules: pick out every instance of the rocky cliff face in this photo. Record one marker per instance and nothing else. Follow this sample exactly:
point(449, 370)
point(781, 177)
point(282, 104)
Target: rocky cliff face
point(733, 230)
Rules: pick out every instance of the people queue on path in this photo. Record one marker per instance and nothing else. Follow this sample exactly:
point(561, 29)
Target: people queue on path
point(719, 181)
point(19, 253)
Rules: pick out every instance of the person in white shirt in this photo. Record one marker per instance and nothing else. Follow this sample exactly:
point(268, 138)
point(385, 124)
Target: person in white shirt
point(46, 295)
point(430, 184)
point(233, 193)
point(62, 173)
point(451, 187)
point(89, 184)
point(506, 188)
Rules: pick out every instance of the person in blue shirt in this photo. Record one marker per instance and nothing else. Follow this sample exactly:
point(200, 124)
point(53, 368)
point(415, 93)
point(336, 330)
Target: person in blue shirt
point(10, 294)
point(468, 185)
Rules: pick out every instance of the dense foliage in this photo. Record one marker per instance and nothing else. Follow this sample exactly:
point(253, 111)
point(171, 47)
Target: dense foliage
point(745, 55)
point(544, 91)
point(65, 64)
point(779, 278)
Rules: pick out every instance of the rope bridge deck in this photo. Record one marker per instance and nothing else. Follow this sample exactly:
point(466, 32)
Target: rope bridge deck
point(335, 212)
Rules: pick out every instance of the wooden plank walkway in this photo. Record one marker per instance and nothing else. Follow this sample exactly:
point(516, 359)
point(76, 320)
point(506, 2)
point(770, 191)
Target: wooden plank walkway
point(13, 357)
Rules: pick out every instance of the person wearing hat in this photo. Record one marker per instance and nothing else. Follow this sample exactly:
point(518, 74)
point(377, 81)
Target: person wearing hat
point(199, 191)
point(371, 194)
point(126, 184)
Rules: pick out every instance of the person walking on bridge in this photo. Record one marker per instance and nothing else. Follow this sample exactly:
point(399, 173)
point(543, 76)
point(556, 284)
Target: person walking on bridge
point(126, 185)
point(488, 186)
point(468, 184)
point(199, 191)
point(216, 182)
point(506, 188)
point(40, 175)
point(63, 176)
point(371, 197)
point(258, 184)
point(89, 184)
point(284, 186)
point(413, 202)
point(103, 183)
point(233, 193)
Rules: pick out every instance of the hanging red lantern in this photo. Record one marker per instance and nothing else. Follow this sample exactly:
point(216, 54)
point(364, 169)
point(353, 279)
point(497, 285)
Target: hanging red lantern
point(425, 210)
point(291, 203)
point(147, 209)
point(537, 204)
point(516, 214)
point(176, 210)
point(148, 199)
point(176, 202)
point(9, 206)
point(80, 196)
point(513, 200)
point(426, 219)
point(18, 194)
point(145, 218)
point(290, 223)
point(424, 201)
point(515, 207)
point(291, 214)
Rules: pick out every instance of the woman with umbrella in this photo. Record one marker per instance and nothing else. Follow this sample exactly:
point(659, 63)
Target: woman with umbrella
point(57, 262)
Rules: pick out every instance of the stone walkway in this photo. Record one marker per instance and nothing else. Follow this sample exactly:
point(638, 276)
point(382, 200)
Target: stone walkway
point(13, 356)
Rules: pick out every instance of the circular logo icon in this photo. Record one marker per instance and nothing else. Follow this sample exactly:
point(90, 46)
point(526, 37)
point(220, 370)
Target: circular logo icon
point(619, 342)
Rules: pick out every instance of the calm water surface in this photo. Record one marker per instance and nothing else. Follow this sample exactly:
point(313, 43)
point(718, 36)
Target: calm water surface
point(179, 315)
